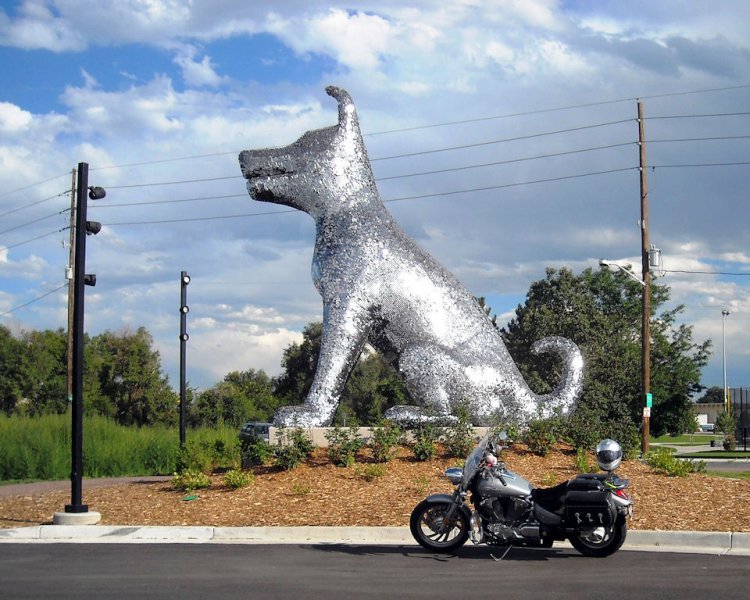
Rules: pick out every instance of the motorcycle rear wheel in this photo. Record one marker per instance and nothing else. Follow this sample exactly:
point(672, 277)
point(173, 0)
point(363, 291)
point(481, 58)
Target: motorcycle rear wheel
point(427, 521)
point(599, 544)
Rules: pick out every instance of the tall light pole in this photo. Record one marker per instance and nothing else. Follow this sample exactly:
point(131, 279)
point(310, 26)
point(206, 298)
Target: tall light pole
point(77, 513)
point(724, 315)
point(184, 309)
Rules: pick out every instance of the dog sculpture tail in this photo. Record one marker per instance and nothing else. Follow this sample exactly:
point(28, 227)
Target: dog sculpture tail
point(563, 397)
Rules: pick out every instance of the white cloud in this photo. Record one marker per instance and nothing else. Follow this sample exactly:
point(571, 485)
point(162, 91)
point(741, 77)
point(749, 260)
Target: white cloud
point(13, 118)
point(197, 72)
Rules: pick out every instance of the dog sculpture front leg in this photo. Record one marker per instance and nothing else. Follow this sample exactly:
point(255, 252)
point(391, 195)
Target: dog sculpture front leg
point(345, 330)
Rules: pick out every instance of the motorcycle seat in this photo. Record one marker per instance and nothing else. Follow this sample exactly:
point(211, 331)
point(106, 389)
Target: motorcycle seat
point(550, 498)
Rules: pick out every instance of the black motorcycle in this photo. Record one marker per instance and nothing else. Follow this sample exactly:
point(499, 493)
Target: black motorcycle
point(590, 510)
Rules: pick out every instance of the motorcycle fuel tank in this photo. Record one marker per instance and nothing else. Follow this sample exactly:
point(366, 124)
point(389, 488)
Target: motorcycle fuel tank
point(491, 485)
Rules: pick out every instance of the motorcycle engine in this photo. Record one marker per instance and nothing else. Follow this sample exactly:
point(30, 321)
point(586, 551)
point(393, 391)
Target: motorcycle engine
point(504, 510)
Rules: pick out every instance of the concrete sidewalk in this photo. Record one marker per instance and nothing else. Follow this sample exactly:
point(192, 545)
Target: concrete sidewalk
point(695, 542)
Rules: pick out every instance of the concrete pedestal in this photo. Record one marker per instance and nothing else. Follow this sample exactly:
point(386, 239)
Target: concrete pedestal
point(84, 518)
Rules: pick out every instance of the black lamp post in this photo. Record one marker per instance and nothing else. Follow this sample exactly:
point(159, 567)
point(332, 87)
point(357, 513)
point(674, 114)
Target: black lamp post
point(184, 281)
point(83, 228)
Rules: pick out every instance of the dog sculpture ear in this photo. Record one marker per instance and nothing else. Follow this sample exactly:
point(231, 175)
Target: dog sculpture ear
point(347, 113)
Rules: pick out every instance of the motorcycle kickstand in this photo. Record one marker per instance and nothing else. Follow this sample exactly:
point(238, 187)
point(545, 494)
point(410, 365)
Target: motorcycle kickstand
point(504, 554)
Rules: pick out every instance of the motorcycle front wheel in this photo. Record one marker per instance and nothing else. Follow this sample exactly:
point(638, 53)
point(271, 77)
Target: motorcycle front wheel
point(431, 528)
point(602, 541)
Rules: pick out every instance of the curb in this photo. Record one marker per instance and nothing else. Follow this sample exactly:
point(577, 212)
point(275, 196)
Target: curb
point(693, 542)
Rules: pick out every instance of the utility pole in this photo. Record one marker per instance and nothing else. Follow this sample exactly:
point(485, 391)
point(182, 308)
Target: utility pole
point(646, 315)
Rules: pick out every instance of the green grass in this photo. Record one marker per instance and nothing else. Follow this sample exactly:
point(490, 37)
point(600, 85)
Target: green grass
point(730, 475)
point(39, 448)
point(688, 439)
point(716, 454)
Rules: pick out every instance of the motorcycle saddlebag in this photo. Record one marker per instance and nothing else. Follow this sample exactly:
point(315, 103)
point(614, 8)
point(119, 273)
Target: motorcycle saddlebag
point(585, 509)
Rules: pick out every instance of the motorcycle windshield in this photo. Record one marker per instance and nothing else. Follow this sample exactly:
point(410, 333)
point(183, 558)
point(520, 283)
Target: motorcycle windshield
point(473, 461)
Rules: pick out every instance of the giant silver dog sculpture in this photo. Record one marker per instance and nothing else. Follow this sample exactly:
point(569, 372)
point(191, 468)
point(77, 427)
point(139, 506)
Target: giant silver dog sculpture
point(379, 286)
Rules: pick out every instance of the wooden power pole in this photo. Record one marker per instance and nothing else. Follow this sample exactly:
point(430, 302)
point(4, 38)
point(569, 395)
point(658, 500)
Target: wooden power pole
point(646, 316)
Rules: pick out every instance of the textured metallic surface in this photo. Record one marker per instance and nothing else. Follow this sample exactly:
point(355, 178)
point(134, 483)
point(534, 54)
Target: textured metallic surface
point(379, 286)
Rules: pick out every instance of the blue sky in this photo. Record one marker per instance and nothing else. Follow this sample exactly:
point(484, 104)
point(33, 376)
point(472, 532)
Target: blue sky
point(502, 135)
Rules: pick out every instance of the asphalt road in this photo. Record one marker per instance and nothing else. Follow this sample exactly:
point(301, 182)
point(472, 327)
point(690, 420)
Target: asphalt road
point(190, 572)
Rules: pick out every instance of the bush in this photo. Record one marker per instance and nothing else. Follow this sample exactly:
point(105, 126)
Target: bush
point(663, 461)
point(459, 438)
point(385, 438)
point(237, 478)
point(583, 464)
point(255, 451)
point(542, 434)
point(293, 447)
point(190, 479)
point(425, 440)
point(209, 450)
point(370, 472)
point(343, 445)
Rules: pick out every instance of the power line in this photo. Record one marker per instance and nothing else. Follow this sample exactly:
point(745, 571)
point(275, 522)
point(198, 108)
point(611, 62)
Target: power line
point(34, 221)
point(500, 141)
point(433, 195)
point(20, 306)
point(39, 237)
point(26, 187)
point(176, 201)
point(702, 139)
point(695, 165)
point(508, 185)
point(698, 116)
point(548, 110)
point(505, 162)
point(707, 272)
point(203, 180)
point(35, 203)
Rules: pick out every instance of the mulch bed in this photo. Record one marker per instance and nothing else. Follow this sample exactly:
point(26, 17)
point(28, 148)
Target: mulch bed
point(319, 493)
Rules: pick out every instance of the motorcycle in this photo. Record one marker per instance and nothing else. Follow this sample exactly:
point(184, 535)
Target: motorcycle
point(589, 510)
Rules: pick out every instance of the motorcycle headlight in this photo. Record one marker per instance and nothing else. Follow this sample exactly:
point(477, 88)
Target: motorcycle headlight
point(454, 475)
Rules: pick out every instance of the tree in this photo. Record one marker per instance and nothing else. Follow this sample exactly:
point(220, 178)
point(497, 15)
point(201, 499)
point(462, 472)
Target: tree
point(128, 383)
point(46, 387)
point(241, 396)
point(14, 375)
point(713, 395)
point(601, 312)
point(299, 362)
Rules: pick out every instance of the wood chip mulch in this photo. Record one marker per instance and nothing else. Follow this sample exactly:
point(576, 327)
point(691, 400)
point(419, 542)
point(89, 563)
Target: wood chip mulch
point(319, 493)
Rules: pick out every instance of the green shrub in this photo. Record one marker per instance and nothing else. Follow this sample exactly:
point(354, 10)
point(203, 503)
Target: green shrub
point(426, 436)
point(293, 446)
point(370, 472)
point(459, 438)
point(255, 451)
point(237, 478)
point(343, 445)
point(190, 479)
point(583, 464)
point(542, 434)
point(665, 462)
point(385, 439)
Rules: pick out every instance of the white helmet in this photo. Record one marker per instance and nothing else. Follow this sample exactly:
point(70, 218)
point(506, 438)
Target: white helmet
point(608, 455)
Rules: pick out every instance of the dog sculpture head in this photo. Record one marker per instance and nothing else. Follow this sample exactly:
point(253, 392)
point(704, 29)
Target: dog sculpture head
point(322, 165)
